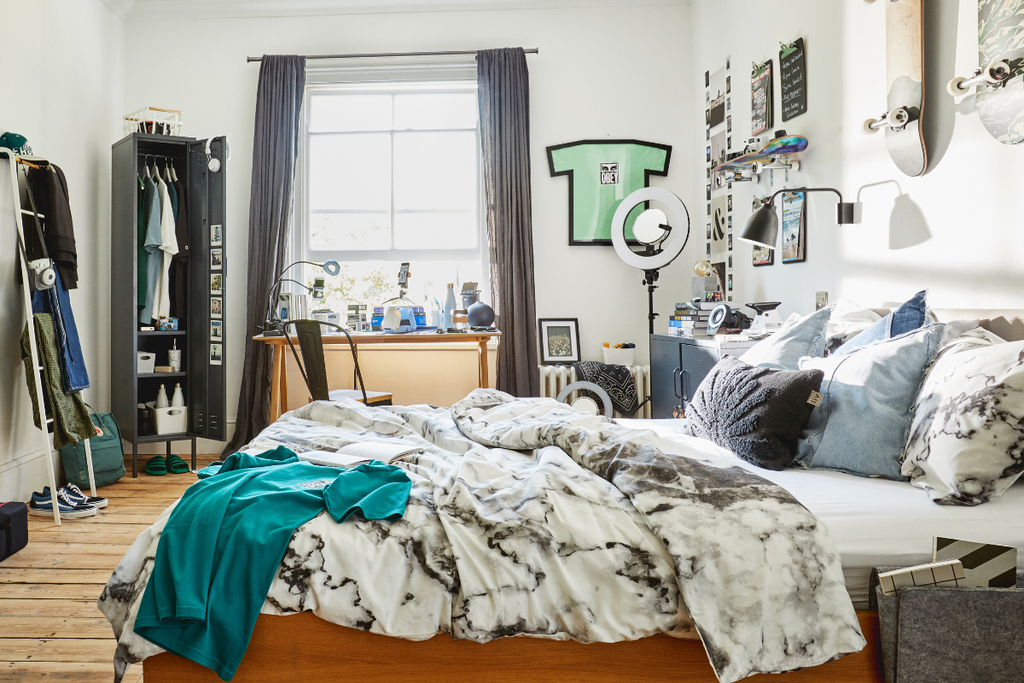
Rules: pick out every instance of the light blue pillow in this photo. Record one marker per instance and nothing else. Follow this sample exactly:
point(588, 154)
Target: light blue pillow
point(784, 349)
point(912, 315)
point(863, 422)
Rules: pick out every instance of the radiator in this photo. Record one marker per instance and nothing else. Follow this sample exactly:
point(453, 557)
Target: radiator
point(554, 378)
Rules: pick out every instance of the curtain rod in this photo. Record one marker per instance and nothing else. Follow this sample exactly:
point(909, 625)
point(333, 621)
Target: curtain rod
point(529, 51)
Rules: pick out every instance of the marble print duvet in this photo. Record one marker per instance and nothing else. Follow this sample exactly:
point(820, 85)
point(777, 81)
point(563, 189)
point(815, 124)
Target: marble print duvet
point(528, 518)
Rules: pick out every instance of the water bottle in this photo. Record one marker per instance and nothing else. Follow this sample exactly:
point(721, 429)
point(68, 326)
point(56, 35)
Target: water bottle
point(178, 399)
point(449, 307)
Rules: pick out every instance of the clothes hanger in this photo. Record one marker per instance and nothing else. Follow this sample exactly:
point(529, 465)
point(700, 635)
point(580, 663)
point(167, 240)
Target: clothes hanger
point(174, 173)
point(145, 167)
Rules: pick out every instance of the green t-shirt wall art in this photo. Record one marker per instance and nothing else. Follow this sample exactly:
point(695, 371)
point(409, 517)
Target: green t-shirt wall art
point(601, 174)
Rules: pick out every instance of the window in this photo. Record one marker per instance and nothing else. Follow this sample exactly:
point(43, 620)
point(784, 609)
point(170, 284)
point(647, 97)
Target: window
point(391, 174)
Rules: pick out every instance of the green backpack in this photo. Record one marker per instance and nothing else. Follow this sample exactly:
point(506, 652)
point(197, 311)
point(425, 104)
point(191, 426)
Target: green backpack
point(107, 455)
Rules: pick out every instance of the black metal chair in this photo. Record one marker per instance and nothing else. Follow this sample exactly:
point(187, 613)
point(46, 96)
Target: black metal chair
point(314, 368)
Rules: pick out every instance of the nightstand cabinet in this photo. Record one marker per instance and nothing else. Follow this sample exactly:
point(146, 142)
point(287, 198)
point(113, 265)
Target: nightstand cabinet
point(679, 365)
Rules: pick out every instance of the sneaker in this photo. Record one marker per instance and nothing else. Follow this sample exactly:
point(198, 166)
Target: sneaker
point(78, 497)
point(43, 506)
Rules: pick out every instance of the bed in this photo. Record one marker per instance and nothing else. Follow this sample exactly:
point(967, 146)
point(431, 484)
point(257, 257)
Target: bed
point(635, 623)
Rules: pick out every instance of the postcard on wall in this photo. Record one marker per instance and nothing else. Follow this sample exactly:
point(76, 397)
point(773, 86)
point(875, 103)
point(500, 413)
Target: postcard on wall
point(761, 98)
point(216, 284)
point(216, 307)
point(719, 223)
point(794, 247)
point(763, 256)
point(216, 235)
point(716, 89)
point(216, 259)
point(216, 330)
point(216, 354)
point(718, 148)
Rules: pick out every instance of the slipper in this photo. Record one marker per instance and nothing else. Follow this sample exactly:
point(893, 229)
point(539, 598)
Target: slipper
point(176, 465)
point(156, 466)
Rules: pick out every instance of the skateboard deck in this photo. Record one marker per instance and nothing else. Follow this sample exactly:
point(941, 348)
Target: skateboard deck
point(904, 66)
point(1001, 38)
point(789, 144)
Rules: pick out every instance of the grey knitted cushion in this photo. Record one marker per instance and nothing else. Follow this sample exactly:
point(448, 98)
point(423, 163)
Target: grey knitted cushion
point(755, 412)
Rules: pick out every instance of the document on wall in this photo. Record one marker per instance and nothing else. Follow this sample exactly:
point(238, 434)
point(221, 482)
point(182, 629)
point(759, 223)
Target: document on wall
point(361, 453)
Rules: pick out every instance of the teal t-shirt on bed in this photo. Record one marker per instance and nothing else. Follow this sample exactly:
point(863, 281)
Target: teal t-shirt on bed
point(224, 541)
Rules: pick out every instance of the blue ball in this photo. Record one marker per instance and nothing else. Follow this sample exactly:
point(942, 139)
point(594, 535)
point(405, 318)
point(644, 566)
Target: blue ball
point(480, 315)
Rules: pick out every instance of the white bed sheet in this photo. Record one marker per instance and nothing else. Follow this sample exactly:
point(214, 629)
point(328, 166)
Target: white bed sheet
point(877, 522)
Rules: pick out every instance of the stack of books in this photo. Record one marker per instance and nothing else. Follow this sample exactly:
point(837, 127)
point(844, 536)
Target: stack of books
point(690, 319)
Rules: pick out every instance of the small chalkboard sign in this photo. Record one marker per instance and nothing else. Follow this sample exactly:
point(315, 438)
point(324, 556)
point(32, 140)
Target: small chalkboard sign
point(793, 76)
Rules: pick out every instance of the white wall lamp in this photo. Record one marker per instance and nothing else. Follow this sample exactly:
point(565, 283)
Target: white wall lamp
point(762, 227)
point(660, 236)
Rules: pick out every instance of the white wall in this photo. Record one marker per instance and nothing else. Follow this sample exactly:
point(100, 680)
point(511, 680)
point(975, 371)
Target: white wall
point(597, 75)
point(63, 92)
point(955, 231)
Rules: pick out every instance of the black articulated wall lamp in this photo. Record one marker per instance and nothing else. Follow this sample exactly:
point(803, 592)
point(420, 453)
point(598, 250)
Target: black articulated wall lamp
point(274, 327)
point(763, 226)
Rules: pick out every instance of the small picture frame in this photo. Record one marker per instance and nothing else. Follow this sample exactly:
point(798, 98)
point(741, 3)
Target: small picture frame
point(763, 256)
point(559, 340)
point(216, 235)
point(216, 330)
point(216, 284)
point(216, 308)
point(216, 354)
point(216, 259)
point(794, 234)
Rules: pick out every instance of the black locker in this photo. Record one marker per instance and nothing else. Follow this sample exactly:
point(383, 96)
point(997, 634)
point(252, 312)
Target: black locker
point(203, 372)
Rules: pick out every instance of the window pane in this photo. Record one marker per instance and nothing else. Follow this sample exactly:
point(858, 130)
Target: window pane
point(435, 171)
point(351, 171)
point(349, 231)
point(435, 111)
point(373, 282)
point(436, 230)
point(349, 113)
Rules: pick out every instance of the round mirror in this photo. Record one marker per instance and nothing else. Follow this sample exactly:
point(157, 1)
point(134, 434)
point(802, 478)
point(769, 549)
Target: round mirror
point(650, 226)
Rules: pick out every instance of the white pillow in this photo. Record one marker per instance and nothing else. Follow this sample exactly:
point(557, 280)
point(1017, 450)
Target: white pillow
point(966, 442)
point(798, 338)
point(848, 320)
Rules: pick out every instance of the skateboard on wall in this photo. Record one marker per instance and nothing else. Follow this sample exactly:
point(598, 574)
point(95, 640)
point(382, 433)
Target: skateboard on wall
point(998, 81)
point(772, 156)
point(904, 70)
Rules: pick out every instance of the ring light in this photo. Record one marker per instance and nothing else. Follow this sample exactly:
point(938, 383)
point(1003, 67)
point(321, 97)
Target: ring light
point(670, 248)
point(651, 227)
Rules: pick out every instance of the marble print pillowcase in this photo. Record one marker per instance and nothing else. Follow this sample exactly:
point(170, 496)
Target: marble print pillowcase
point(966, 444)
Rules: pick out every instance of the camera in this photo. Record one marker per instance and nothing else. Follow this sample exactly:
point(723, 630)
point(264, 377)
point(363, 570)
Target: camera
point(41, 273)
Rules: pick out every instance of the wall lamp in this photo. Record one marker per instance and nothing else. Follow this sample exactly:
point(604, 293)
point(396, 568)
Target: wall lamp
point(272, 326)
point(762, 227)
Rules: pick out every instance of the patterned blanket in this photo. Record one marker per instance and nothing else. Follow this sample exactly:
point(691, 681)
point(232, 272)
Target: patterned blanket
point(527, 517)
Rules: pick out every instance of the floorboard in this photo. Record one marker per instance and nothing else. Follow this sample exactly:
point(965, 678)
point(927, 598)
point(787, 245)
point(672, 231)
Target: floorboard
point(50, 627)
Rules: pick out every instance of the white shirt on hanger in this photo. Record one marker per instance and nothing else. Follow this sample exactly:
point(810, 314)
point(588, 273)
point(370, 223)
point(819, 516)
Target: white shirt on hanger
point(169, 247)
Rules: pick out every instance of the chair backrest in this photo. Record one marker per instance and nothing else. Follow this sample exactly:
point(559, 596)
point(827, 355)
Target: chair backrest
point(312, 364)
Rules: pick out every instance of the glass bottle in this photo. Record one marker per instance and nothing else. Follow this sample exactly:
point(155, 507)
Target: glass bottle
point(449, 307)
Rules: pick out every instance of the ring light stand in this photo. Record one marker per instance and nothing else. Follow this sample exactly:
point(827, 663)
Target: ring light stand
point(655, 231)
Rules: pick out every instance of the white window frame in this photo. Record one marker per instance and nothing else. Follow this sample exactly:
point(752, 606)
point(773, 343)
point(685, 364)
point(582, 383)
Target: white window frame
point(369, 75)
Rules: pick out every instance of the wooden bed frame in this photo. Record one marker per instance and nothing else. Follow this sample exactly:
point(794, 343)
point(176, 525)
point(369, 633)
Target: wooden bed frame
point(303, 646)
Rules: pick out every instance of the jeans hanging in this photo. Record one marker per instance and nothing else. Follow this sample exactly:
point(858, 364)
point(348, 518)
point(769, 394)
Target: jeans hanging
point(55, 301)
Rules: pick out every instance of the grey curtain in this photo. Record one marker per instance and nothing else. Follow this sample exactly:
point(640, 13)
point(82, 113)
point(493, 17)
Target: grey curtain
point(504, 91)
point(274, 146)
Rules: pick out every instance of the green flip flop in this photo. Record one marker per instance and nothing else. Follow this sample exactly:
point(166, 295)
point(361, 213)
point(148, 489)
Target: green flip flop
point(156, 466)
point(176, 465)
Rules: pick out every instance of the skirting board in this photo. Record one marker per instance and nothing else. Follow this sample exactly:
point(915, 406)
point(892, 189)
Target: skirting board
point(305, 647)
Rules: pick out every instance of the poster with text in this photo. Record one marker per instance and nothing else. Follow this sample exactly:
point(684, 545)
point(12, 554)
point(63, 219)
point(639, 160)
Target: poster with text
point(719, 222)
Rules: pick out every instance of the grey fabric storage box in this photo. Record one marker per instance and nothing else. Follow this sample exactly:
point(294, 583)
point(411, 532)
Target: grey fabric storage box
point(951, 635)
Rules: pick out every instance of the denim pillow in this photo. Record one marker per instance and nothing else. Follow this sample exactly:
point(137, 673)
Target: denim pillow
point(863, 422)
point(784, 349)
point(912, 315)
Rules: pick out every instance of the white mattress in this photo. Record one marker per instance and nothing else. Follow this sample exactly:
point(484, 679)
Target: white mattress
point(876, 521)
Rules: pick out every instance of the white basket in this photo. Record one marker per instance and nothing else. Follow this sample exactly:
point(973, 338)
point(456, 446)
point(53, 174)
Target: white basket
point(153, 120)
point(147, 363)
point(173, 420)
point(618, 356)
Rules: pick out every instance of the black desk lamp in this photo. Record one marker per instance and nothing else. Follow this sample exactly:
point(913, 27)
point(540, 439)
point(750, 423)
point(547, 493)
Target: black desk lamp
point(763, 226)
point(274, 327)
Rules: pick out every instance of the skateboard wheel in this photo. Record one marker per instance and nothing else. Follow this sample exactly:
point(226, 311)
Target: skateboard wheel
point(996, 72)
point(869, 127)
point(794, 165)
point(955, 87)
point(756, 168)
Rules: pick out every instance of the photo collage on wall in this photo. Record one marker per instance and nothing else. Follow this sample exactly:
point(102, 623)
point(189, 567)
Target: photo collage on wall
point(718, 136)
point(216, 294)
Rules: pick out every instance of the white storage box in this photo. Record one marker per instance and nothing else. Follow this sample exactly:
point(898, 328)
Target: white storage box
point(618, 356)
point(147, 363)
point(173, 420)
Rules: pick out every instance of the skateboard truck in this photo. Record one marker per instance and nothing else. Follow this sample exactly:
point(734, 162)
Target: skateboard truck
point(736, 176)
point(993, 76)
point(897, 119)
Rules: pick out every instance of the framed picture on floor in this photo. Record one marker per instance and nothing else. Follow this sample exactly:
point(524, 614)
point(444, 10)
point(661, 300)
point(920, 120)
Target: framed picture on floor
point(559, 340)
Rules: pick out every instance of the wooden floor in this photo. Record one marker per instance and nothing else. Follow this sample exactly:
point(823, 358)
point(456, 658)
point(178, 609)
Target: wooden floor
point(50, 627)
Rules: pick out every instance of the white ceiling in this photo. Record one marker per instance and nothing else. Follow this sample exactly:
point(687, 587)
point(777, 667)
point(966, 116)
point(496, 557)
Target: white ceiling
point(138, 10)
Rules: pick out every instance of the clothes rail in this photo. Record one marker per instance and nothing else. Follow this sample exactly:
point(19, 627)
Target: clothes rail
point(529, 51)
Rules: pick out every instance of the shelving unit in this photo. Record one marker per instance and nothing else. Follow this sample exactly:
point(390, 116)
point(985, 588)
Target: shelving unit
point(202, 375)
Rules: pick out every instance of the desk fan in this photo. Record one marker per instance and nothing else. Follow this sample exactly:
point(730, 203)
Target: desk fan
point(655, 232)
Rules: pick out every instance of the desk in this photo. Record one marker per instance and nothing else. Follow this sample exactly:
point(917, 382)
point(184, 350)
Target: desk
point(279, 378)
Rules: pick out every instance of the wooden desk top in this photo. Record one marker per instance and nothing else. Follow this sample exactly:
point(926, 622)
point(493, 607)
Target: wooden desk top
point(391, 338)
